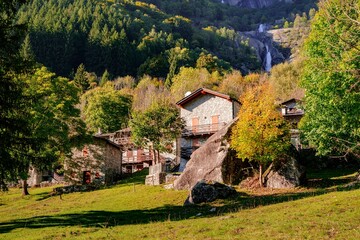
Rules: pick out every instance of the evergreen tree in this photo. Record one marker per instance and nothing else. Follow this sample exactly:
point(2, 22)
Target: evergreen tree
point(81, 79)
point(104, 78)
point(13, 112)
point(26, 51)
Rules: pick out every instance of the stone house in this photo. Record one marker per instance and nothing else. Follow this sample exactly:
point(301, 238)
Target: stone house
point(98, 162)
point(293, 113)
point(133, 158)
point(205, 112)
point(39, 178)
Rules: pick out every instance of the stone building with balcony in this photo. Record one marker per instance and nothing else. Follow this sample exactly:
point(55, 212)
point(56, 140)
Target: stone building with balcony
point(292, 113)
point(205, 112)
point(133, 158)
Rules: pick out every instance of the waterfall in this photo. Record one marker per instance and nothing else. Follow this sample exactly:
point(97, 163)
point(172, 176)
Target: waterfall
point(261, 28)
point(267, 59)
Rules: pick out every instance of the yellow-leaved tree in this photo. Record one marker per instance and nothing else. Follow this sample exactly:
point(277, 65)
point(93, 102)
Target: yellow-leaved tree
point(260, 134)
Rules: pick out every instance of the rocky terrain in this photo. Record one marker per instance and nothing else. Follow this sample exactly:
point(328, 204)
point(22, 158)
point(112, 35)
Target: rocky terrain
point(254, 3)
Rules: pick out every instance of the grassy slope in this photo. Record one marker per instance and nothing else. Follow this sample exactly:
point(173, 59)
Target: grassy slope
point(134, 211)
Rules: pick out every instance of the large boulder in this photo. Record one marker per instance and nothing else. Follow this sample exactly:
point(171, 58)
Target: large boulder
point(213, 161)
point(285, 174)
point(208, 192)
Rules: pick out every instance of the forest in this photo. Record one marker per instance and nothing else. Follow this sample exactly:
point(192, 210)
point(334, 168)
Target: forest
point(88, 65)
point(124, 38)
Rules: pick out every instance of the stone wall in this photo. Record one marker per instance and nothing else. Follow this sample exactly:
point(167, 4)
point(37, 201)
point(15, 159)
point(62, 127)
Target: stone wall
point(156, 175)
point(101, 158)
point(203, 108)
point(206, 106)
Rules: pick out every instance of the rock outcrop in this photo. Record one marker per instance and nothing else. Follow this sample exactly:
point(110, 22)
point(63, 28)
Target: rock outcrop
point(213, 161)
point(285, 174)
point(263, 44)
point(208, 192)
point(254, 3)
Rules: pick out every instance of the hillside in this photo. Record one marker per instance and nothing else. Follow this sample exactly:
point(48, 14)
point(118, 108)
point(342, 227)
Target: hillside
point(235, 14)
point(136, 38)
point(125, 38)
point(131, 210)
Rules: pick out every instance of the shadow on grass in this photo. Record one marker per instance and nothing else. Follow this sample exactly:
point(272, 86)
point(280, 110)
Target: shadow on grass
point(104, 219)
point(330, 177)
point(127, 179)
point(331, 173)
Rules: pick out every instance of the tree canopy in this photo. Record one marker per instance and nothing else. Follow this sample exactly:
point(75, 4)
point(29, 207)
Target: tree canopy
point(13, 111)
point(157, 126)
point(53, 119)
point(106, 108)
point(261, 133)
point(331, 79)
point(124, 38)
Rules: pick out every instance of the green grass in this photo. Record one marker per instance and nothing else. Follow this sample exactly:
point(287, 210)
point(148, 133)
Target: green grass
point(131, 210)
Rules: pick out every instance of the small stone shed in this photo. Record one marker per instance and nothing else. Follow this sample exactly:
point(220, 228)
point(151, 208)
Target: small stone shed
point(98, 162)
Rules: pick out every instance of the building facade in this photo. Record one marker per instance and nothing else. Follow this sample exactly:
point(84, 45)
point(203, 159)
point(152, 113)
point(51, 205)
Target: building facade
point(205, 112)
point(292, 113)
point(98, 162)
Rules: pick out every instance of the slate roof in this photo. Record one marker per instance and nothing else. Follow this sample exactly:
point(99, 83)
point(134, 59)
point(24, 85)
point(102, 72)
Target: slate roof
point(203, 91)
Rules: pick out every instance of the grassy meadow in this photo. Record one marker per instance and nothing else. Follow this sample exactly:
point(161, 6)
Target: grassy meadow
point(328, 208)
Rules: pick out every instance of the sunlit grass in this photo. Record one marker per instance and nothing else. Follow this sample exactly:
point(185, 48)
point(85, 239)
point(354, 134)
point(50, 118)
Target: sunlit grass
point(131, 210)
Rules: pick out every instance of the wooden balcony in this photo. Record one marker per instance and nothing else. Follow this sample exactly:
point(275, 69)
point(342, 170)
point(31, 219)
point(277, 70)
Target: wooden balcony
point(204, 129)
point(137, 158)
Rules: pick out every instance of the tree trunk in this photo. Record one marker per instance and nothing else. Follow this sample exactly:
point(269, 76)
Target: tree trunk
point(25, 188)
point(260, 176)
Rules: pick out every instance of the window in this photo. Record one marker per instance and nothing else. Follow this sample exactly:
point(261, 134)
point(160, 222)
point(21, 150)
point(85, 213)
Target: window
point(215, 123)
point(195, 124)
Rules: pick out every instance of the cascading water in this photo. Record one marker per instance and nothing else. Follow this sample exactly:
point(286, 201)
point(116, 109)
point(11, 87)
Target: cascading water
point(261, 28)
point(267, 59)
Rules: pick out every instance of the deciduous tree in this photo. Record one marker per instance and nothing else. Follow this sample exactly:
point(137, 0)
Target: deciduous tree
point(332, 79)
point(54, 121)
point(261, 133)
point(157, 126)
point(106, 108)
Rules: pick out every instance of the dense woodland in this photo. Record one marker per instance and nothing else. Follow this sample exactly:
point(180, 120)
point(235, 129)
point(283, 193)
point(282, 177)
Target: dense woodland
point(205, 13)
point(124, 38)
point(85, 65)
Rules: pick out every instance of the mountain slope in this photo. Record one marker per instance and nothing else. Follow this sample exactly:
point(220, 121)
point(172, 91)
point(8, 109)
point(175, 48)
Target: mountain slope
point(126, 38)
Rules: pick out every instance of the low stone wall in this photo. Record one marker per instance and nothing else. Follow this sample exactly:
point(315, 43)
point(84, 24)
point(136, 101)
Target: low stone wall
point(155, 179)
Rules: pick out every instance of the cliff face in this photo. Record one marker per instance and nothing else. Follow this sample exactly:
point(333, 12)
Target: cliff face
point(254, 3)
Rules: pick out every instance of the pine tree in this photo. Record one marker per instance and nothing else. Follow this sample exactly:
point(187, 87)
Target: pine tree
point(81, 79)
point(104, 78)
